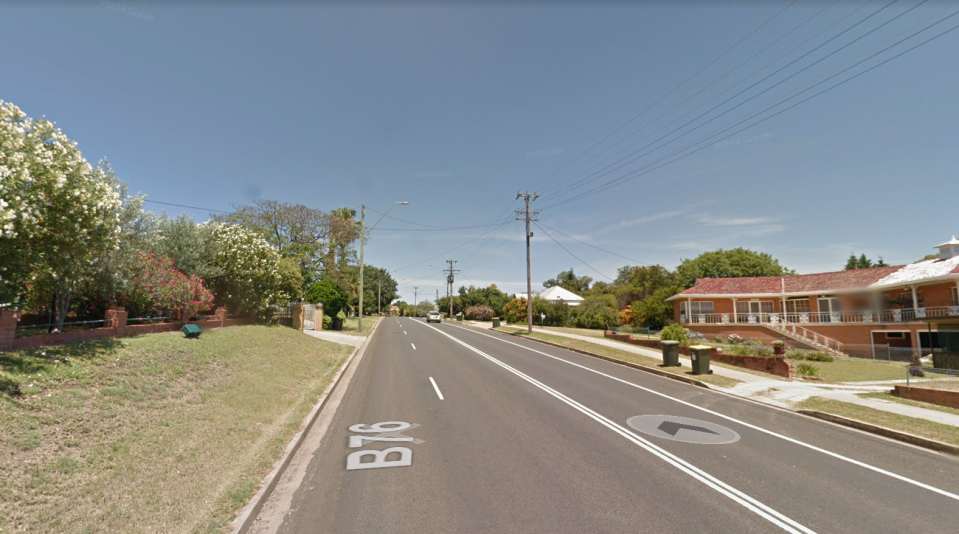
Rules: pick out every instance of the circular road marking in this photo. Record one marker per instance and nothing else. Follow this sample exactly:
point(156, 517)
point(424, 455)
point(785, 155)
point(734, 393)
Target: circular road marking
point(683, 429)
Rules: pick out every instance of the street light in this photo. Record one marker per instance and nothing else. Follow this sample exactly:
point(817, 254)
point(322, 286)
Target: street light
point(363, 234)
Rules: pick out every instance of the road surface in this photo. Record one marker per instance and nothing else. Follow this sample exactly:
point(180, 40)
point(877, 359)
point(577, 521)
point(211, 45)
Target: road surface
point(516, 436)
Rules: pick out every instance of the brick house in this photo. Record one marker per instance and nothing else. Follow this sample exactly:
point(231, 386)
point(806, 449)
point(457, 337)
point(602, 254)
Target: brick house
point(902, 309)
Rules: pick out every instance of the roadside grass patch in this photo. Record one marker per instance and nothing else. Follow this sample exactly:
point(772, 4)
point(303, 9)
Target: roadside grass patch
point(602, 350)
point(154, 433)
point(902, 423)
point(890, 397)
point(350, 325)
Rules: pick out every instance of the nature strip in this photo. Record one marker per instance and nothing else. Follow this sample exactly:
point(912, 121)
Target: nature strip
point(852, 423)
point(247, 516)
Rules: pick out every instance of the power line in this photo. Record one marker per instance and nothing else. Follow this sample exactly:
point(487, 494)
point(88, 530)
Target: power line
point(184, 206)
point(633, 174)
point(697, 73)
point(573, 255)
point(697, 93)
point(594, 246)
point(598, 174)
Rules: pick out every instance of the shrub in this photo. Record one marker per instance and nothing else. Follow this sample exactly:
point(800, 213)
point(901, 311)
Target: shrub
point(597, 313)
point(809, 356)
point(327, 322)
point(557, 313)
point(807, 369)
point(480, 313)
point(330, 295)
point(515, 311)
point(340, 315)
point(673, 332)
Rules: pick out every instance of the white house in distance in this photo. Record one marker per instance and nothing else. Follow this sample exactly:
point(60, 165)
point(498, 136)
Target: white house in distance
point(556, 294)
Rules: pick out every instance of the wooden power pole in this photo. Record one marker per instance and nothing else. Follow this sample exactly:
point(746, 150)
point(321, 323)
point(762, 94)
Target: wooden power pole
point(526, 216)
point(449, 283)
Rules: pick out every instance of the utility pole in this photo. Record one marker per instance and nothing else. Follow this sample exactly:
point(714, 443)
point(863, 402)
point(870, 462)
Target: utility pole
point(379, 296)
point(359, 316)
point(414, 301)
point(529, 284)
point(449, 281)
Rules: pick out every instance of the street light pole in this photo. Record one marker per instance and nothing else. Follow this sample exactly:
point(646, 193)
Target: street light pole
point(363, 234)
point(359, 317)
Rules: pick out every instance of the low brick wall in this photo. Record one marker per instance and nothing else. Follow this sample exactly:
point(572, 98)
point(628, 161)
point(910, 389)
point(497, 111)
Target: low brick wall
point(774, 366)
point(116, 327)
point(941, 397)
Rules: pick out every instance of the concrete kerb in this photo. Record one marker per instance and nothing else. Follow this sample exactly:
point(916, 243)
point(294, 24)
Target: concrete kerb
point(912, 439)
point(888, 433)
point(646, 368)
point(247, 515)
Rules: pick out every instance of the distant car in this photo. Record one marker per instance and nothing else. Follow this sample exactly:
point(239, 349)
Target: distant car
point(433, 316)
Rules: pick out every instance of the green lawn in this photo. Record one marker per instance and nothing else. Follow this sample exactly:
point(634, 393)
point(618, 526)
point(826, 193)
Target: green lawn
point(610, 352)
point(853, 370)
point(151, 434)
point(918, 427)
point(350, 325)
point(890, 397)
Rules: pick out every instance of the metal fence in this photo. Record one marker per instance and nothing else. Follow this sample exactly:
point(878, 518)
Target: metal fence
point(881, 352)
point(933, 378)
point(39, 329)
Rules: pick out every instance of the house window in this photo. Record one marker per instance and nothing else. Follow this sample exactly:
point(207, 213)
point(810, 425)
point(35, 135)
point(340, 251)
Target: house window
point(955, 296)
point(797, 305)
point(697, 307)
point(907, 295)
point(895, 335)
point(753, 310)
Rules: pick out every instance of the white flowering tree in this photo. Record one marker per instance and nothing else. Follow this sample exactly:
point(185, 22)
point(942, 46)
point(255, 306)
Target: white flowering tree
point(248, 277)
point(58, 215)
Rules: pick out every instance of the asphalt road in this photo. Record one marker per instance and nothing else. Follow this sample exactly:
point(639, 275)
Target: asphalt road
point(530, 438)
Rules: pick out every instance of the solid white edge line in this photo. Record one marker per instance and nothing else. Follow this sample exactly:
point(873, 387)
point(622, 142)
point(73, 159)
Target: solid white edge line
point(743, 499)
point(748, 425)
point(437, 388)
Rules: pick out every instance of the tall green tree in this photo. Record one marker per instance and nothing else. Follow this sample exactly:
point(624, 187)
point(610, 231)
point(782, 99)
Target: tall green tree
point(862, 262)
point(59, 215)
point(637, 283)
point(294, 230)
point(377, 283)
point(732, 263)
point(569, 281)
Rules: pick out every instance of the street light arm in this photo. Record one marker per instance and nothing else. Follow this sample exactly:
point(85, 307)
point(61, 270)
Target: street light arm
point(381, 217)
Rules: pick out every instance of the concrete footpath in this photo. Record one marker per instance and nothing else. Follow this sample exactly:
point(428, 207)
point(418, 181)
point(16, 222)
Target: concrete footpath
point(782, 392)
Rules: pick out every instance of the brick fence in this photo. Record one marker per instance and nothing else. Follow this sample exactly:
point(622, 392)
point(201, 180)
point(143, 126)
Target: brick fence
point(773, 365)
point(941, 397)
point(115, 326)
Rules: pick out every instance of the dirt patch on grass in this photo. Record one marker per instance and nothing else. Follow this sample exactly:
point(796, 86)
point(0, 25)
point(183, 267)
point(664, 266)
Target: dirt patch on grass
point(152, 434)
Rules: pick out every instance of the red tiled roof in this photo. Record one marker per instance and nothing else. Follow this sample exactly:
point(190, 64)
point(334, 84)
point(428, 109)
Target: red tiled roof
point(800, 283)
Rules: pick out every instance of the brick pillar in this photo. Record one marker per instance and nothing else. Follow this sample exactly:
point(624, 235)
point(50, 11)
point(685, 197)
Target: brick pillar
point(8, 328)
point(221, 315)
point(319, 317)
point(116, 318)
point(298, 317)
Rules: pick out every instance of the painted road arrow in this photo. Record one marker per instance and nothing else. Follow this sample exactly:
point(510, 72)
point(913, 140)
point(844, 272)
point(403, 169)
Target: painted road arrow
point(673, 427)
point(668, 427)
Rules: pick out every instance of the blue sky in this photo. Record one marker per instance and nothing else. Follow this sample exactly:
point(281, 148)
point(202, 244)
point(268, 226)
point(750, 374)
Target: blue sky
point(454, 109)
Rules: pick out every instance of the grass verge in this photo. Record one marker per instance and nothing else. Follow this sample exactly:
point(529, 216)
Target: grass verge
point(350, 325)
point(909, 402)
point(602, 350)
point(919, 427)
point(152, 434)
